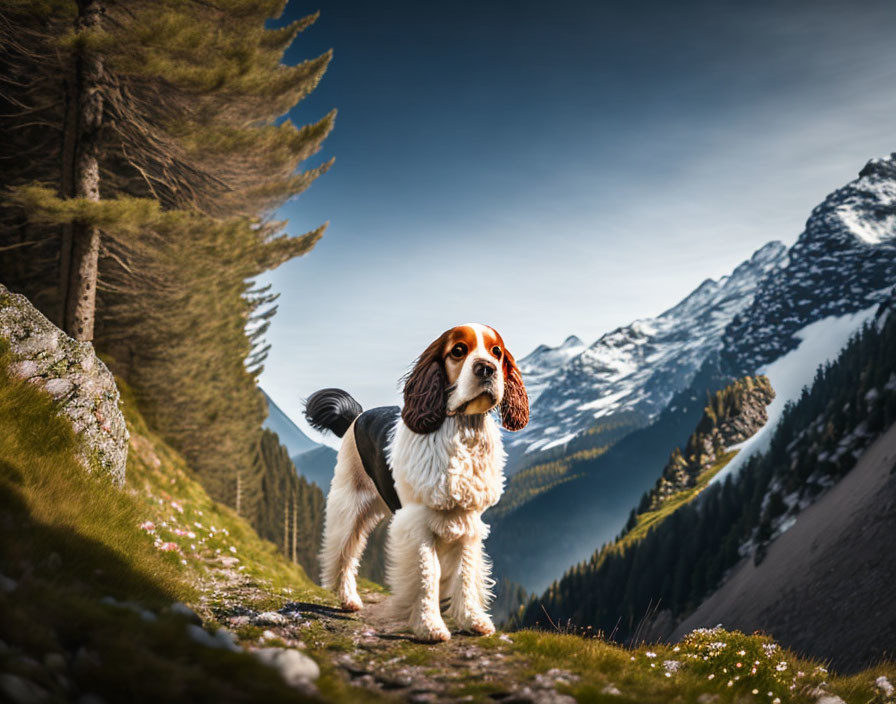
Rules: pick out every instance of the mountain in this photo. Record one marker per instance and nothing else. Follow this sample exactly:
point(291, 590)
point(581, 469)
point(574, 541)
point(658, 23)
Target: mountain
point(817, 504)
point(313, 460)
point(635, 370)
point(781, 313)
point(827, 585)
point(843, 262)
point(317, 465)
point(541, 365)
point(289, 433)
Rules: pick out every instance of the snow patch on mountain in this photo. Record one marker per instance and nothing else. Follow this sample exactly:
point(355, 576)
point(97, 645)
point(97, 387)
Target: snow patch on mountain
point(543, 363)
point(639, 367)
point(820, 343)
point(843, 262)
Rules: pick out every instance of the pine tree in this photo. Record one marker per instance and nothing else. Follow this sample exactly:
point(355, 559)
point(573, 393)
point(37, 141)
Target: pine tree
point(157, 198)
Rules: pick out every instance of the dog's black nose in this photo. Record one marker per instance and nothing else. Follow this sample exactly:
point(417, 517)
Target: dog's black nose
point(483, 369)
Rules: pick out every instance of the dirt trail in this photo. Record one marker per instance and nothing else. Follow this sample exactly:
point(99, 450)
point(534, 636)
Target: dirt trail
point(372, 652)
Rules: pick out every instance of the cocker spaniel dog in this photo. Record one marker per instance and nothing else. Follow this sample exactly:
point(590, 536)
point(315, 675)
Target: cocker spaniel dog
point(437, 464)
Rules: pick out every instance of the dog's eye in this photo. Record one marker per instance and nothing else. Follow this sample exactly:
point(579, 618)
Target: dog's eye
point(496, 351)
point(459, 350)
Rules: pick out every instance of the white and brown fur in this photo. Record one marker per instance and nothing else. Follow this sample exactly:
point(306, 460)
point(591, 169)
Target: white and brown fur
point(446, 458)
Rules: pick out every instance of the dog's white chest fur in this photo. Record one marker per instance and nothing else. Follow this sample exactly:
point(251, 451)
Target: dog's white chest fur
point(458, 467)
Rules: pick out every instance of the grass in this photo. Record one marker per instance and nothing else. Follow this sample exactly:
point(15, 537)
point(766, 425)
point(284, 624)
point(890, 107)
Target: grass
point(70, 541)
point(87, 609)
point(649, 519)
point(176, 512)
point(722, 666)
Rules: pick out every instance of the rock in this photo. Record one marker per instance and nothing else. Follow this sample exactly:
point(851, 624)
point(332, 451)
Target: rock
point(527, 695)
point(55, 661)
point(271, 618)
point(71, 372)
point(20, 691)
point(611, 689)
point(296, 668)
point(706, 698)
point(222, 639)
point(7, 584)
point(181, 609)
point(829, 699)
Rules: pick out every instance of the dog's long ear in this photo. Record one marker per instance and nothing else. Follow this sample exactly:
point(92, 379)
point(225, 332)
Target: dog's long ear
point(425, 396)
point(515, 406)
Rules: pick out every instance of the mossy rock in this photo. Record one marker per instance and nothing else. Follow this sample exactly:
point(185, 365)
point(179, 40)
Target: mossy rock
point(83, 387)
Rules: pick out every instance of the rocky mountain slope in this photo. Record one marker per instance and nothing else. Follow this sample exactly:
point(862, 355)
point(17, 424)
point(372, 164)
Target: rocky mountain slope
point(827, 585)
point(543, 363)
point(656, 576)
point(636, 369)
point(733, 416)
point(843, 264)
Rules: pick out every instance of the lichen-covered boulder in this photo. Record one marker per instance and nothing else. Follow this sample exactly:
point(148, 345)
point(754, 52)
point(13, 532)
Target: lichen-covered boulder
point(72, 374)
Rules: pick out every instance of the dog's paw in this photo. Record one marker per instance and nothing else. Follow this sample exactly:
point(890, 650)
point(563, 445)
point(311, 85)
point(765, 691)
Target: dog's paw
point(352, 603)
point(481, 624)
point(434, 634)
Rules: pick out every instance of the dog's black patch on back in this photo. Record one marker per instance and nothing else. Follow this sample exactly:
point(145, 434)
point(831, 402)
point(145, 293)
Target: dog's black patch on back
point(371, 435)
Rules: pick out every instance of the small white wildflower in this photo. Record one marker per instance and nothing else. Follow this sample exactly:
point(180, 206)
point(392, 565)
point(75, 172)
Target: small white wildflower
point(884, 685)
point(650, 654)
point(755, 691)
point(730, 683)
point(781, 666)
point(711, 676)
point(675, 649)
point(668, 674)
point(233, 549)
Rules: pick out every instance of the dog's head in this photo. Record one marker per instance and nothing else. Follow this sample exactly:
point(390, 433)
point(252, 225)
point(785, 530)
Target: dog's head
point(466, 370)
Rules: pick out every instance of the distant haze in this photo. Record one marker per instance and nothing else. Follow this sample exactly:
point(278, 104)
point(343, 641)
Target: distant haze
point(558, 168)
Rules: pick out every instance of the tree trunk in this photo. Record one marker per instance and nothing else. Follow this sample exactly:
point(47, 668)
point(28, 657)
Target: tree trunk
point(82, 259)
point(286, 527)
point(295, 516)
point(239, 492)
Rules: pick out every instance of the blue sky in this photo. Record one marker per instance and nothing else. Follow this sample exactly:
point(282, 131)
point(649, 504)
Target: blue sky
point(558, 168)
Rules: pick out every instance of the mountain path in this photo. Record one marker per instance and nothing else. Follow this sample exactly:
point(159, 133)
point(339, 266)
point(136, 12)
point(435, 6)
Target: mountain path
point(370, 651)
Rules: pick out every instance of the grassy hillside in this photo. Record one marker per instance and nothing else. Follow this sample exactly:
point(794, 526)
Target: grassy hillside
point(91, 577)
point(91, 574)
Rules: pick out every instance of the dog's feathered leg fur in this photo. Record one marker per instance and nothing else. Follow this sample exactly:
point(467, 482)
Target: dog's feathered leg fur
point(469, 590)
point(354, 507)
point(414, 573)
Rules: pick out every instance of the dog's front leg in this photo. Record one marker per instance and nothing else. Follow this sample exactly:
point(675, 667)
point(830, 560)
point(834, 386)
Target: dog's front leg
point(414, 573)
point(470, 588)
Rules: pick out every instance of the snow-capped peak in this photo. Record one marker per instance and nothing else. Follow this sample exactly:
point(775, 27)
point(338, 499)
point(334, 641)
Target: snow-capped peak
point(636, 368)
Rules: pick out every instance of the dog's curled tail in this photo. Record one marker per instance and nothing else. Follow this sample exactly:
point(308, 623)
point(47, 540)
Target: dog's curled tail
point(331, 409)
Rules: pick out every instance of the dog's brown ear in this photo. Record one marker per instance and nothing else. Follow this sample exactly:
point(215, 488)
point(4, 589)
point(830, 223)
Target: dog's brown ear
point(425, 397)
point(515, 406)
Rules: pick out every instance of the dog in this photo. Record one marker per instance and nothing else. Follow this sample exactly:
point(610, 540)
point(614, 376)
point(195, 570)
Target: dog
point(437, 464)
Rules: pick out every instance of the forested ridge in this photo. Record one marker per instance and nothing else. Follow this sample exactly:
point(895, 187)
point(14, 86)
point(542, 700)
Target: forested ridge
point(144, 154)
point(683, 558)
